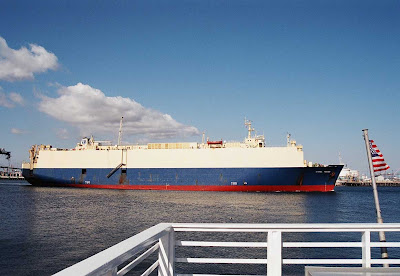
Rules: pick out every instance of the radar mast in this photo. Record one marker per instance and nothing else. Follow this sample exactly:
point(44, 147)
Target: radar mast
point(249, 129)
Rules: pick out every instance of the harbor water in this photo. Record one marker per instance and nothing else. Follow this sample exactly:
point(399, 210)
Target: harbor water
point(44, 230)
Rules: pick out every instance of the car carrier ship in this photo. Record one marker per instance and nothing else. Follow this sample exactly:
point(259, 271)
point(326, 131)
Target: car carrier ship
point(248, 166)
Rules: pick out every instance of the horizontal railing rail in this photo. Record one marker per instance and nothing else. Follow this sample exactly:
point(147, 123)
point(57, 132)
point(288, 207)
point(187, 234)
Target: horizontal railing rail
point(161, 240)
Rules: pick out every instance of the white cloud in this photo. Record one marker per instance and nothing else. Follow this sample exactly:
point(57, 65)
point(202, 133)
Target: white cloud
point(4, 100)
point(92, 111)
point(62, 133)
point(17, 131)
point(16, 98)
point(24, 63)
point(11, 99)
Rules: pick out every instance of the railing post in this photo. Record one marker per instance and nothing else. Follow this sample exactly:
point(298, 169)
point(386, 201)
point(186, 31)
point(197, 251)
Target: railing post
point(166, 254)
point(366, 249)
point(274, 253)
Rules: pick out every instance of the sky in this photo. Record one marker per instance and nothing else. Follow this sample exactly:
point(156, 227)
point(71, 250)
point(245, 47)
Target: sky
point(319, 70)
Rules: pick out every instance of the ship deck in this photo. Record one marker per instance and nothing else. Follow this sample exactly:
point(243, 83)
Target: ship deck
point(162, 240)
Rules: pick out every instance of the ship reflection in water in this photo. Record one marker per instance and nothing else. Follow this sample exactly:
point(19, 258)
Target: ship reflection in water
point(53, 228)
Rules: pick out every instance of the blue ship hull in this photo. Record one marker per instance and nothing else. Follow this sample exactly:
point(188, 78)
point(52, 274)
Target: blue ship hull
point(294, 179)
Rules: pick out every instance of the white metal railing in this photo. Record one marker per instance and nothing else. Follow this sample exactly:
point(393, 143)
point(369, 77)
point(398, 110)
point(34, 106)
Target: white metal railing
point(161, 239)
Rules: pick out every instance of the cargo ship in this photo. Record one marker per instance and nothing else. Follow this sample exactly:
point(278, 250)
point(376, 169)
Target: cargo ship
point(248, 166)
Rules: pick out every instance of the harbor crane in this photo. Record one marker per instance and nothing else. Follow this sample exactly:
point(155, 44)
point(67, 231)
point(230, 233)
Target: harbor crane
point(7, 153)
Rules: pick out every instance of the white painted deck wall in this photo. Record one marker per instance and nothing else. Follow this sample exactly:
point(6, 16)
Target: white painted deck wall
point(173, 158)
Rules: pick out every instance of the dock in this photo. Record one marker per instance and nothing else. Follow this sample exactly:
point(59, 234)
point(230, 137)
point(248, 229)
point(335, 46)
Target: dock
point(9, 173)
point(390, 183)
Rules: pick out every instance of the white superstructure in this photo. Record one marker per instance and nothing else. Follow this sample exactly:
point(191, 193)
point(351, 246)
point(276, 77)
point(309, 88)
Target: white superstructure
point(252, 153)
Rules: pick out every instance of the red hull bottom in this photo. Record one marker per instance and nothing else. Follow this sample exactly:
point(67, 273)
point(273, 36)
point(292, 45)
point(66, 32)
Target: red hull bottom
point(263, 188)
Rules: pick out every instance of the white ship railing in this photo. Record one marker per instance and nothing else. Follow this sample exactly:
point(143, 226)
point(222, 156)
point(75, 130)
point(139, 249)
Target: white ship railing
point(161, 240)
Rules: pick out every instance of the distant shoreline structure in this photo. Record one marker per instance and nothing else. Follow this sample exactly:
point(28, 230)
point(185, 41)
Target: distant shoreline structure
point(9, 173)
point(367, 183)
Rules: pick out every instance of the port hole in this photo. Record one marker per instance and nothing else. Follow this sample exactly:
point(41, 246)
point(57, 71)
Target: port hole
point(83, 171)
point(123, 171)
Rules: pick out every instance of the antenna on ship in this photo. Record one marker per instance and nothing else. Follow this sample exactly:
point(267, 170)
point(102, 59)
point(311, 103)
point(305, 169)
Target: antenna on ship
point(249, 129)
point(120, 132)
point(288, 139)
point(340, 159)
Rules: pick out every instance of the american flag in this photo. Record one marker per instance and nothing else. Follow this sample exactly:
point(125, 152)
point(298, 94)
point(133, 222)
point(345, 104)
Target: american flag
point(377, 158)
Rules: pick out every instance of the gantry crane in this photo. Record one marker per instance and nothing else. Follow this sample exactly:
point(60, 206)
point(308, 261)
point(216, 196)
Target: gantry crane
point(7, 153)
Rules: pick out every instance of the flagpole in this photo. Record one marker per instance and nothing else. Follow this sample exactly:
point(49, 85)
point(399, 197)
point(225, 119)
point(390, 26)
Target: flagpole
point(379, 219)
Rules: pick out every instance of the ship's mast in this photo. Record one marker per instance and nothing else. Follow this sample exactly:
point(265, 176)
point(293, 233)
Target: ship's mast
point(249, 129)
point(120, 132)
point(340, 159)
point(288, 139)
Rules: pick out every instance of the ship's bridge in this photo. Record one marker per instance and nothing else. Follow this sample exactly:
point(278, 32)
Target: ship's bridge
point(258, 141)
point(90, 143)
point(255, 142)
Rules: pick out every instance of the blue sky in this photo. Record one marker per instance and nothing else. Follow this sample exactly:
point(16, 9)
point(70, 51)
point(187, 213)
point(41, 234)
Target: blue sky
point(321, 70)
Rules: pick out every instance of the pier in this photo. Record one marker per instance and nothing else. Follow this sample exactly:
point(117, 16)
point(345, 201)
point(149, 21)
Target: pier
point(9, 173)
point(164, 241)
point(391, 183)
